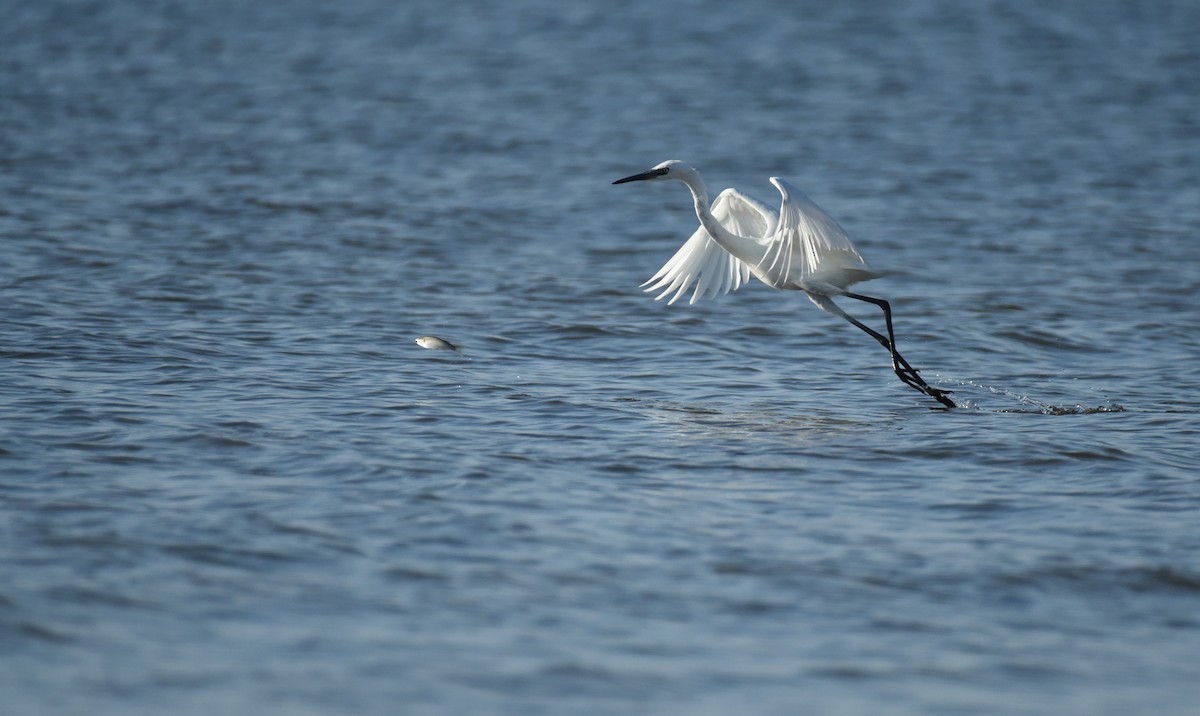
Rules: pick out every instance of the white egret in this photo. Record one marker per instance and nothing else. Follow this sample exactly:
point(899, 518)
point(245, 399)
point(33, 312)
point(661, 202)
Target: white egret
point(800, 247)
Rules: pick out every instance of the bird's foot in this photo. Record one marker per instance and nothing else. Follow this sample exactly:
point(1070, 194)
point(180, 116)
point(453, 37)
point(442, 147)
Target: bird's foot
point(941, 396)
point(909, 376)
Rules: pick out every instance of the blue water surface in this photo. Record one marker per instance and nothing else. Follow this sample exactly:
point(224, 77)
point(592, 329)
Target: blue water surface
point(230, 481)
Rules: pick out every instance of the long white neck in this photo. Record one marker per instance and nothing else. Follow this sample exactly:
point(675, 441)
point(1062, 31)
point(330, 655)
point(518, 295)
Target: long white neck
point(742, 247)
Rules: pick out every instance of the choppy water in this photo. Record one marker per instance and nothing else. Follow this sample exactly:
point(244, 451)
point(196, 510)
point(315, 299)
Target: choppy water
point(231, 483)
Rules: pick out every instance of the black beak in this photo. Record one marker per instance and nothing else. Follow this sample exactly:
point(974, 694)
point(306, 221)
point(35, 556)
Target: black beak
point(644, 175)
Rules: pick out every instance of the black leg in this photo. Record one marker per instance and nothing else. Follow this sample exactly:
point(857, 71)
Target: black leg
point(903, 370)
point(906, 372)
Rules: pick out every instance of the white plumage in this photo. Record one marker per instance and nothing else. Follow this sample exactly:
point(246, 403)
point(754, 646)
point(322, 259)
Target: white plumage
point(702, 261)
point(798, 247)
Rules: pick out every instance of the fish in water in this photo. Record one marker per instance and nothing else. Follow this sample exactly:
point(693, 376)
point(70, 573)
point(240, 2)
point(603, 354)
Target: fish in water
point(434, 343)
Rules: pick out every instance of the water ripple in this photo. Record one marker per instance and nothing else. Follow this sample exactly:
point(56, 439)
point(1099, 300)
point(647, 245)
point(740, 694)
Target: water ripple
point(228, 474)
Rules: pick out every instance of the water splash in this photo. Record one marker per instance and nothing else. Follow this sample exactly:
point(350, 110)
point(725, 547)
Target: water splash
point(1033, 405)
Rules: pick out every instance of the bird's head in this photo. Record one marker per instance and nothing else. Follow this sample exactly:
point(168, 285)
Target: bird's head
point(670, 169)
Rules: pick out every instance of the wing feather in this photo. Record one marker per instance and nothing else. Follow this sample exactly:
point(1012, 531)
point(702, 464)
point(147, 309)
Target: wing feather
point(808, 245)
point(702, 261)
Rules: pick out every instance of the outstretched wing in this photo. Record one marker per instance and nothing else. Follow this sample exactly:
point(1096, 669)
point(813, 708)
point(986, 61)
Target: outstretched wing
point(702, 261)
point(809, 246)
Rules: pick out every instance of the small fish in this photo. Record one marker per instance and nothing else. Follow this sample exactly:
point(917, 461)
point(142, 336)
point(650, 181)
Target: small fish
point(434, 343)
